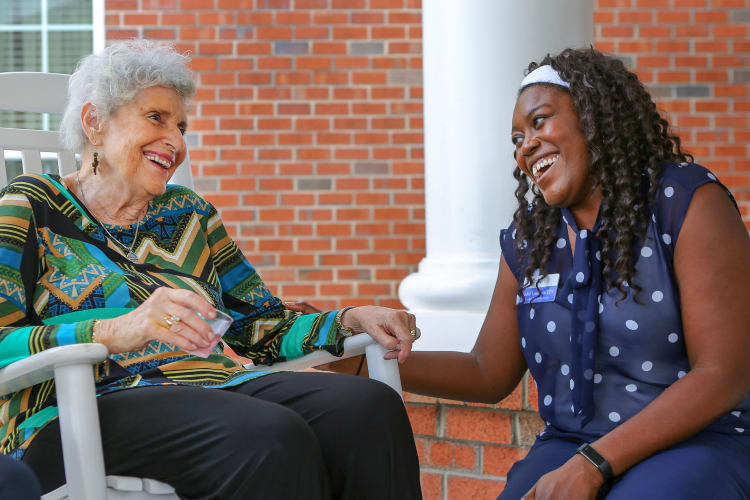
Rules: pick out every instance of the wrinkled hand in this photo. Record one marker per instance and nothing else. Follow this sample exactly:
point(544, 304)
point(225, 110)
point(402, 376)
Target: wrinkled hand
point(576, 479)
point(301, 307)
point(389, 327)
point(132, 331)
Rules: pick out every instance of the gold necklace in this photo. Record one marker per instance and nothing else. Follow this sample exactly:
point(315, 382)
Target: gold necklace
point(129, 253)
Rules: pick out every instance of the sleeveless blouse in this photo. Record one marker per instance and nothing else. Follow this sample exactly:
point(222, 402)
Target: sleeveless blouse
point(597, 361)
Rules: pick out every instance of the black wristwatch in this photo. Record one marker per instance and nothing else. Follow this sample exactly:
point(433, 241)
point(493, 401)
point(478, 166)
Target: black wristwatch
point(599, 461)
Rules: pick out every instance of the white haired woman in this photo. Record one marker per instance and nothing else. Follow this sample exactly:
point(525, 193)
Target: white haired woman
point(112, 254)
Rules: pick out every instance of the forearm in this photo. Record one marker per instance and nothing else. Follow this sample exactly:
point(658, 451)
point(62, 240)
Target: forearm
point(450, 375)
point(682, 410)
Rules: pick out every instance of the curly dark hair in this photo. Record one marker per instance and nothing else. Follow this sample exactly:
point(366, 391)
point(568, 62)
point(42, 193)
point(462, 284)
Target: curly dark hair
point(628, 141)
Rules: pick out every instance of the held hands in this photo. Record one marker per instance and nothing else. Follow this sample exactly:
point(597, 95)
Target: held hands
point(389, 327)
point(576, 479)
point(151, 321)
point(394, 330)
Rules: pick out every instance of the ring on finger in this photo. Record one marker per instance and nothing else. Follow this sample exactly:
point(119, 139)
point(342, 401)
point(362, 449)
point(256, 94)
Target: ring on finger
point(413, 333)
point(171, 319)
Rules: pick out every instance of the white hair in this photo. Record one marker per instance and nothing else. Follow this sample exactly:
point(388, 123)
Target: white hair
point(112, 77)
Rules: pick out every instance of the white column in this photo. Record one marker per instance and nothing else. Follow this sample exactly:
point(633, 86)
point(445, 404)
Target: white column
point(474, 56)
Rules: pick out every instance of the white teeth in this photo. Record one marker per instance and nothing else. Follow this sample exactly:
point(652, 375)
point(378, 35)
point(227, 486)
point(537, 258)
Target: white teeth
point(544, 162)
point(158, 159)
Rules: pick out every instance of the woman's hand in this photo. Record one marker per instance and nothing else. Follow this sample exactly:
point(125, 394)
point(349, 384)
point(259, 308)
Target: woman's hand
point(132, 331)
point(390, 328)
point(576, 479)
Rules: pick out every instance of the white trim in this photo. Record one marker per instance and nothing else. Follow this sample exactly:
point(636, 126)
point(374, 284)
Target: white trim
point(50, 27)
point(97, 22)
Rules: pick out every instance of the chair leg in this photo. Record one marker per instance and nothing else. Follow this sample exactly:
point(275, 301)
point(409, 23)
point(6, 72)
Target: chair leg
point(385, 371)
point(79, 429)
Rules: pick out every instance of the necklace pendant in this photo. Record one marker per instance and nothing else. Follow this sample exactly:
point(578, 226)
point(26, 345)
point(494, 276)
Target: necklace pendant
point(132, 257)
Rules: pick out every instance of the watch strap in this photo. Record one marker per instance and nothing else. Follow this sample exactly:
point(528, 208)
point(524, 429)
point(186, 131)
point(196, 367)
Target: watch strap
point(598, 461)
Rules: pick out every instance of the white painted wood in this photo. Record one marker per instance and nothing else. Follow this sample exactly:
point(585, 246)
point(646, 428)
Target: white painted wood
point(3, 172)
point(80, 432)
point(66, 163)
point(34, 92)
point(32, 161)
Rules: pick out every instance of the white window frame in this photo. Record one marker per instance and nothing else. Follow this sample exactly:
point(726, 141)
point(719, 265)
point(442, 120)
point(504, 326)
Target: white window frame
point(96, 27)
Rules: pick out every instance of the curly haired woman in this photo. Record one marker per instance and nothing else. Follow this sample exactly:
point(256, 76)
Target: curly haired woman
point(623, 288)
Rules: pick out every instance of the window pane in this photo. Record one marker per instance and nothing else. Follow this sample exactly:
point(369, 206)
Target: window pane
point(20, 51)
point(69, 11)
point(20, 11)
point(66, 48)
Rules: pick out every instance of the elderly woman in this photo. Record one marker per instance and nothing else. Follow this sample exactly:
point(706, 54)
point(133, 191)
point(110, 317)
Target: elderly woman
point(623, 287)
point(112, 254)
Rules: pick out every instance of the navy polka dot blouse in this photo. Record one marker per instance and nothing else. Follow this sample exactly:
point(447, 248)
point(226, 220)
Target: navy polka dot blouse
point(597, 364)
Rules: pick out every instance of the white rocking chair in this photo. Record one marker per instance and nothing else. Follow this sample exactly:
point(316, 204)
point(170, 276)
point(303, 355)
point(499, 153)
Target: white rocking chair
point(71, 366)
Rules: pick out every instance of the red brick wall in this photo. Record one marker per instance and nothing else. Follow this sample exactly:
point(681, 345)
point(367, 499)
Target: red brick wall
point(307, 134)
point(695, 57)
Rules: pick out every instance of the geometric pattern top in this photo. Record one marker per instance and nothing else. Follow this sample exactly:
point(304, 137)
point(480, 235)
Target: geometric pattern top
point(59, 272)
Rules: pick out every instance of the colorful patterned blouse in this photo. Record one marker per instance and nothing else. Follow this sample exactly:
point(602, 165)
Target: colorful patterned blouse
point(59, 272)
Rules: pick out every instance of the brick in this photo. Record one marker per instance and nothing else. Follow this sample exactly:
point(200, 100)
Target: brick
point(198, 4)
point(432, 486)
point(478, 425)
point(452, 455)
point(273, 33)
point(469, 488)
point(140, 19)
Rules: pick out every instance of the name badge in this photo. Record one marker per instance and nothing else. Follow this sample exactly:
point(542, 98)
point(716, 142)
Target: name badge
point(547, 286)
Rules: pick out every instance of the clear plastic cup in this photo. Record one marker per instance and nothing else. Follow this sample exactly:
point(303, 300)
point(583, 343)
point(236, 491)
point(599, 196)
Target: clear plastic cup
point(219, 325)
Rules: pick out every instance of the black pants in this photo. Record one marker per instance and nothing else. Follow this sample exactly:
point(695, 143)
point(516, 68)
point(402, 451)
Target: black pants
point(282, 436)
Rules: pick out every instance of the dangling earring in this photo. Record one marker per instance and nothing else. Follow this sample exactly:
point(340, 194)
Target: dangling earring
point(95, 163)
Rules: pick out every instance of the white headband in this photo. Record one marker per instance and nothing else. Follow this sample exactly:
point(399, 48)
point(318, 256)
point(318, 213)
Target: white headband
point(544, 74)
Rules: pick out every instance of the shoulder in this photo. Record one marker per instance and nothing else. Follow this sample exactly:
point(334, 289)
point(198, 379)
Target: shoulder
point(32, 185)
point(678, 185)
point(178, 199)
point(683, 179)
point(509, 250)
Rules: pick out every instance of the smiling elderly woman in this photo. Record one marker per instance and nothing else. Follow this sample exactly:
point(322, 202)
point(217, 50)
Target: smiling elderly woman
point(112, 254)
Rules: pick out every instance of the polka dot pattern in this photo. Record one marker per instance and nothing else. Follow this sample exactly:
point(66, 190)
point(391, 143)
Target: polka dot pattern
point(637, 348)
point(551, 326)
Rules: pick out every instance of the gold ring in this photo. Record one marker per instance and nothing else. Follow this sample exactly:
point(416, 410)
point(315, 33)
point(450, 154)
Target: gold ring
point(171, 319)
point(413, 332)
